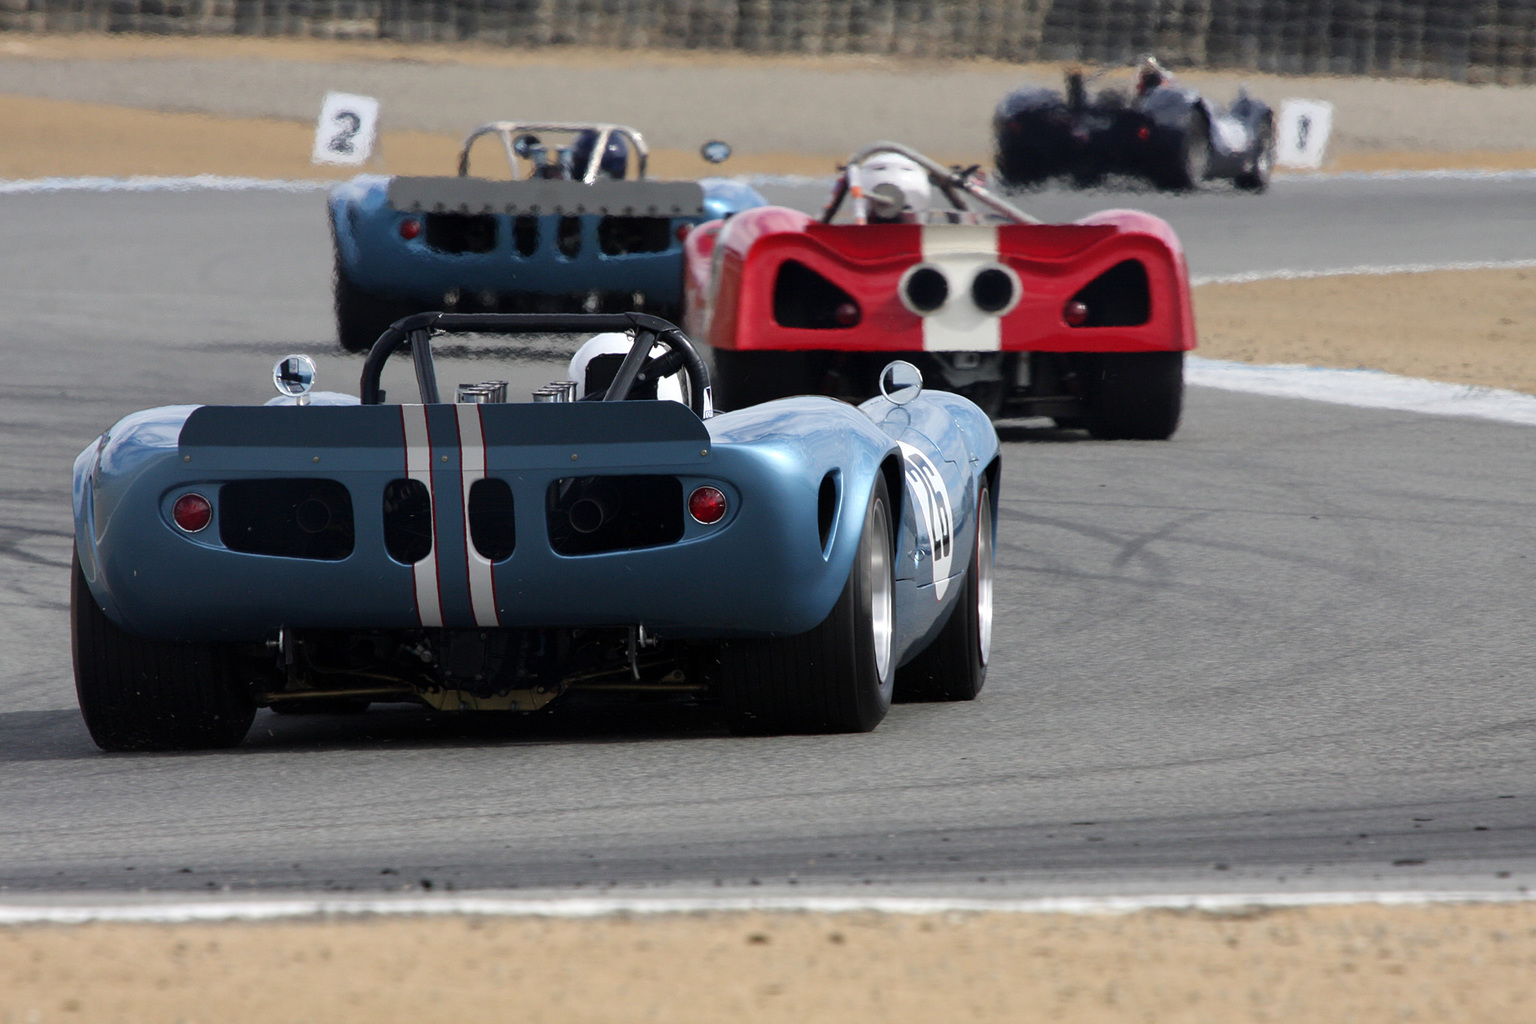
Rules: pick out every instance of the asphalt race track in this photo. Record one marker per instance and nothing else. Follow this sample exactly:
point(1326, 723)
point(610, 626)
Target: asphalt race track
point(1290, 649)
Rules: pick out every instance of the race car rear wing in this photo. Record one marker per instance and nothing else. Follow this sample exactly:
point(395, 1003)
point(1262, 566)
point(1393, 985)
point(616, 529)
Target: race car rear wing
point(542, 196)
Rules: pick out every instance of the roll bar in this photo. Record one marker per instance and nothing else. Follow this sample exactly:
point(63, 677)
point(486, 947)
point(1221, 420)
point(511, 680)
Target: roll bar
point(955, 182)
point(417, 330)
point(509, 130)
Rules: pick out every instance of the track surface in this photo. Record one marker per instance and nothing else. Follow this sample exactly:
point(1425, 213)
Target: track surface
point(1290, 648)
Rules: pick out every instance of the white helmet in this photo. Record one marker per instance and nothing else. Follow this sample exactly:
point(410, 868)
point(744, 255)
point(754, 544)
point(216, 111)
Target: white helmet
point(618, 344)
point(899, 179)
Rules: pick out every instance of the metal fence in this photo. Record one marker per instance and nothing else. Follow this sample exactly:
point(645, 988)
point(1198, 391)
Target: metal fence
point(1466, 40)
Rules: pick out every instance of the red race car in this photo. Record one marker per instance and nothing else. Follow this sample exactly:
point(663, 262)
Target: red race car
point(1086, 323)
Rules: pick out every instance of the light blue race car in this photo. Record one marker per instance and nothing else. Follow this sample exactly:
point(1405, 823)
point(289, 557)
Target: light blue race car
point(578, 228)
point(803, 562)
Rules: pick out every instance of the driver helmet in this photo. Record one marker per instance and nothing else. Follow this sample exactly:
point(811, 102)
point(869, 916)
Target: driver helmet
point(598, 359)
point(1150, 75)
point(892, 172)
point(614, 159)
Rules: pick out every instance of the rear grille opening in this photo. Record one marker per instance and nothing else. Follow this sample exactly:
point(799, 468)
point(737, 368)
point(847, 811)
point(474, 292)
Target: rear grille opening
point(407, 521)
point(591, 514)
point(617, 236)
point(491, 528)
point(803, 298)
point(568, 236)
point(461, 232)
point(525, 235)
point(286, 518)
point(826, 508)
point(1119, 297)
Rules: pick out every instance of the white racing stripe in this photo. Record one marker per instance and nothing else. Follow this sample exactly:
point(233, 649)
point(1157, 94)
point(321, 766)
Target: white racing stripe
point(960, 251)
point(482, 585)
point(418, 466)
point(180, 911)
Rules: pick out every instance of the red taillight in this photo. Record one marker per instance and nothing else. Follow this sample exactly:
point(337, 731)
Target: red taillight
point(410, 228)
point(683, 231)
point(192, 512)
point(1143, 133)
point(847, 314)
point(1076, 314)
point(707, 505)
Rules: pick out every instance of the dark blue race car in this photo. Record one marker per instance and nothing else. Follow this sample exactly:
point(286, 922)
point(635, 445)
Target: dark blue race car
point(802, 562)
point(1164, 133)
point(578, 228)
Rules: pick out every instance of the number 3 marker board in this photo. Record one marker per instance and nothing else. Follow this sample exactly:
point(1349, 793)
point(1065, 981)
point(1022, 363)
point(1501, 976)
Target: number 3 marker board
point(1302, 134)
point(346, 130)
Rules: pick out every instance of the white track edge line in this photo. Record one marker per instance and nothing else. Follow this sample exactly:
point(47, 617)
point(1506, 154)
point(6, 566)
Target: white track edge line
point(183, 912)
point(149, 183)
point(1368, 270)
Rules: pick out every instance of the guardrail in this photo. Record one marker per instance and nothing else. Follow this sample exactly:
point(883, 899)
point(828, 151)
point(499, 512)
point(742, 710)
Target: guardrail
point(1464, 40)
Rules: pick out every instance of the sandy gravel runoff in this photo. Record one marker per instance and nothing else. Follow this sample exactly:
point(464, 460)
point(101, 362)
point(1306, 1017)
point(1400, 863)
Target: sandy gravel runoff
point(1360, 964)
point(84, 105)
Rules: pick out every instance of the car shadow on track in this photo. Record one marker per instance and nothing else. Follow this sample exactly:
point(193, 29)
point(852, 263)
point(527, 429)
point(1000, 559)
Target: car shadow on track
point(60, 735)
point(1037, 431)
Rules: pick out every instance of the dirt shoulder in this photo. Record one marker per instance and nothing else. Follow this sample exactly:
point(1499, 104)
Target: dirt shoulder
point(1357, 963)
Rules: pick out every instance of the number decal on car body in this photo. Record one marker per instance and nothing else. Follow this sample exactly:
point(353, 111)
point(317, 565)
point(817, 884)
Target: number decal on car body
point(934, 513)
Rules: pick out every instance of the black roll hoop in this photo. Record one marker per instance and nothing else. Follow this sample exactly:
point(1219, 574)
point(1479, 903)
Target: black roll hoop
point(649, 330)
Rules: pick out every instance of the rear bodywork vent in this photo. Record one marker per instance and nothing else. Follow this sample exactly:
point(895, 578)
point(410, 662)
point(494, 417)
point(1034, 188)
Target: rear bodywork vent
point(803, 298)
point(617, 236)
point(286, 518)
point(461, 232)
point(491, 527)
point(592, 514)
point(1119, 297)
point(568, 236)
point(525, 235)
point(826, 508)
point(407, 521)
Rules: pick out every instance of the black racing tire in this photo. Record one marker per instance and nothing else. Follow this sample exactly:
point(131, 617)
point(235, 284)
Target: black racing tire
point(141, 694)
point(839, 676)
point(1192, 156)
point(362, 316)
point(751, 378)
point(1134, 396)
point(1256, 178)
point(954, 665)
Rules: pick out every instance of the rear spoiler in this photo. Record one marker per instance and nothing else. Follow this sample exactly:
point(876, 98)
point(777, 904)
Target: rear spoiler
point(540, 196)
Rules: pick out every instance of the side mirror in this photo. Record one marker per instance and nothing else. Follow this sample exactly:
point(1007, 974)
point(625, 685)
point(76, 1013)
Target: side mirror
point(715, 151)
point(525, 144)
point(900, 382)
point(294, 376)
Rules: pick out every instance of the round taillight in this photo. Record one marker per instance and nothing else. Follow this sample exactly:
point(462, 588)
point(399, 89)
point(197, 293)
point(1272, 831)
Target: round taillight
point(410, 228)
point(192, 512)
point(683, 231)
point(707, 505)
point(1076, 314)
point(1143, 133)
point(847, 314)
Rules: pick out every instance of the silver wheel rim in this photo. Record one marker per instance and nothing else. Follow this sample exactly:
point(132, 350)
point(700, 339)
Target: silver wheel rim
point(882, 611)
point(984, 558)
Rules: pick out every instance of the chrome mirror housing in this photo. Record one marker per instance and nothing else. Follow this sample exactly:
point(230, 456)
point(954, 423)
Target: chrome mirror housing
point(715, 151)
point(900, 382)
point(294, 377)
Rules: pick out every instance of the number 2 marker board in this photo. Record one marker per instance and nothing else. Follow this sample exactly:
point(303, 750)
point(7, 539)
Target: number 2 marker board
point(347, 129)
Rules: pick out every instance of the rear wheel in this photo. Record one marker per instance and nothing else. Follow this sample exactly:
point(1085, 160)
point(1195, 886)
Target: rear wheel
point(954, 665)
point(1192, 158)
point(1256, 178)
point(837, 677)
point(1134, 395)
point(140, 694)
point(361, 316)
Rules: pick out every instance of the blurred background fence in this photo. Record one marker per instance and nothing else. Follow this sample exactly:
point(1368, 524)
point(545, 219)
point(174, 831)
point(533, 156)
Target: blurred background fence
point(1464, 40)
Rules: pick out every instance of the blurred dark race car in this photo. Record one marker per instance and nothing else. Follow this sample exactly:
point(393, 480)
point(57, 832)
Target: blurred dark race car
point(1167, 134)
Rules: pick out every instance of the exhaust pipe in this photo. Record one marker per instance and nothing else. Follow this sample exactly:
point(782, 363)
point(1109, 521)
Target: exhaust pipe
point(926, 289)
